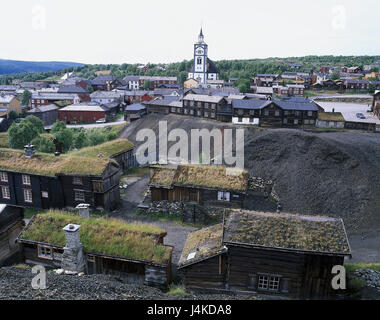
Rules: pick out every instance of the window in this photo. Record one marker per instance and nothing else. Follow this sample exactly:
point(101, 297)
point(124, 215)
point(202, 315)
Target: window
point(28, 196)
point(77, 180)
point(45, 252)
point(269, 283)
point(45, 194)
point(223, 196)
point(310, 113)
point(79, 195)
point(266, 113)
point(90, 258)
point(277, 113)
point(3, 177)
point(5, 192)
point(199, 61)
point(26, 180)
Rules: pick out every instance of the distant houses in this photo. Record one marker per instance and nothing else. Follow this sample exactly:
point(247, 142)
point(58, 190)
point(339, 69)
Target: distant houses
point(47, 113)
point(9, 103)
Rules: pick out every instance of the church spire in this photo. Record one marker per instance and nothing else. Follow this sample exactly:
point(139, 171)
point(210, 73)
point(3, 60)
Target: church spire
point(201, 37)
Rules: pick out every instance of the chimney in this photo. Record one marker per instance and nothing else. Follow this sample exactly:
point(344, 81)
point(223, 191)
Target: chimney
point(84, 210)
point(29, 151)
point(73, 258)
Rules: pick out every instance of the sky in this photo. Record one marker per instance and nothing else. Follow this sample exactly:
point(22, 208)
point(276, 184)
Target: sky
point(164, 31)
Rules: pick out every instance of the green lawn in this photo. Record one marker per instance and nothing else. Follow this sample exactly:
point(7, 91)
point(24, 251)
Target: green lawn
point(351, 267)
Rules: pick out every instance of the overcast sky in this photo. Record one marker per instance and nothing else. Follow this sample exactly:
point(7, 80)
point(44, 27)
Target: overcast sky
point(141, 31)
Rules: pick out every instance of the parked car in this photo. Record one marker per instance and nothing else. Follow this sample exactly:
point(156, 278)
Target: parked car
point(360, 116)
point(101, 121)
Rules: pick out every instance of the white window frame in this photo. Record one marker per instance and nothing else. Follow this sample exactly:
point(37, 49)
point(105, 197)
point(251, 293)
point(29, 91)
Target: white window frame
point(77, 181)
point(4, 177)
point(6, 193)
point(224, 196)
point(26, 181)
point(45, 194)
point(28, 196)
point(268, 282)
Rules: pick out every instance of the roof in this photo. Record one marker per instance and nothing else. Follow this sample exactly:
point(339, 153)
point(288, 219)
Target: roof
point(84, 107)
point(285, 231)
point(45, 108)
point(163, 176)
point(208, 176)
point(6, 98)
point(295, 105)
point(131, 78)
point(330, 116)
point(158, 78)
point(54, 96)
point(250, 104)
point(264, 90)
point(72, 89)
point(202, 244)
point(111, 237)
point(106, 94)
point(203, 98)
point(135, 107)
point(50, 165)
point(107, 149)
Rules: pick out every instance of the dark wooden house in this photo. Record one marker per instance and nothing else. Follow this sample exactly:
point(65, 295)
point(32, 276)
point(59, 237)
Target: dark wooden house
point(267, 253)
point(202, 184)
point(376, 104)
point(11, 224)
point(45, 181)
point(134, 253)
point(207, 106)
point(47, 113)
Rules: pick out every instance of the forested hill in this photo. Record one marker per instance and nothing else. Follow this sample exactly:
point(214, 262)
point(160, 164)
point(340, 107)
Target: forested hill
point(17, 67)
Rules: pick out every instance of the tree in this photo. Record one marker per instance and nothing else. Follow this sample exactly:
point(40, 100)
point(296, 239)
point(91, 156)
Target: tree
point(58, 125)
point(26, 95)
point(13, 115)
point(80, 140)
point(65, 137)
point(335, 76)
point(147, 85)
point(22, 134)
point(90, 88)
point(95, 137)
point(36, 122)
point(43, 144)
point(372, 88)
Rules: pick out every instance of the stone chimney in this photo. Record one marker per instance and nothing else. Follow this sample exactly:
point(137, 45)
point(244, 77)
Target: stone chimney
point(84, 210)
point(29, 150)
point(73, 258)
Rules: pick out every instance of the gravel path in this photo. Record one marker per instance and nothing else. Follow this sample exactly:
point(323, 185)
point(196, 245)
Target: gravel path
point(15, 284)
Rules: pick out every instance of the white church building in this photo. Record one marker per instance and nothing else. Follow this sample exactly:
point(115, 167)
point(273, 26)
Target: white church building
point(203, 69)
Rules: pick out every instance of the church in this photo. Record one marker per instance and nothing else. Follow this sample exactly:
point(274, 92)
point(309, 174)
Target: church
point(203, 69)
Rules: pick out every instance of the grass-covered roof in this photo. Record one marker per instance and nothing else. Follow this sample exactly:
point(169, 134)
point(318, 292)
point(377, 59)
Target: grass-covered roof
point(50, 165)
point(201, 244)
point(330, 116)
point(211, 177)
point(103, 236)
point(163, 176)
point(107, 149)
point(287, 231)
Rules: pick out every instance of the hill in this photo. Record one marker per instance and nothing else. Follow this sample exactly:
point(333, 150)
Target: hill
point(17, 67)
point(325, 173)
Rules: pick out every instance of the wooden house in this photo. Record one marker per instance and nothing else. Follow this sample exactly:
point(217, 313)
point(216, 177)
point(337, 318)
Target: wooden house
point(46, 98)
point(134, 253)
point(278, 254)
point(47, 113)
point(89, 112)
point(120, 150)
point(134, 111)
point(202, 184)
point(207, 106)
point(330, 120)
point(46, 181)
point(9, 102)
point(11, 224)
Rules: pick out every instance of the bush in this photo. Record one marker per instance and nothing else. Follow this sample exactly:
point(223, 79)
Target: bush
point(96, 137)
point(36, 122)
point(22, 134)
point(177, 290)
point(65, 137)
point(58, 125)
point(80, 140)
point(43, 144)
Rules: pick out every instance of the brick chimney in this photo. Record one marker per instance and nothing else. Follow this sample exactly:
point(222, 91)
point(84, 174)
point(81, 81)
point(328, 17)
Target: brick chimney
point(73, 258)
point(84, 210)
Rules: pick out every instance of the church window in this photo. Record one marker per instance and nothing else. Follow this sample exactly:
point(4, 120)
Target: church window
point(199, 60)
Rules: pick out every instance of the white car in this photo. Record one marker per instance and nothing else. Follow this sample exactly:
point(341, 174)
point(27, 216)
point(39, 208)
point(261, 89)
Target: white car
point(101, 121)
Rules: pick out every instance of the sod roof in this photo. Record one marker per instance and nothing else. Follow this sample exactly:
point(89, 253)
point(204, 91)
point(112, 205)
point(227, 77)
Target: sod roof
point(102, 236)
point(287, 231)
point(50, 165)
point(107, 149)
point(330, 116)
point(211, 177)
point(163, 176)
point(201, 244)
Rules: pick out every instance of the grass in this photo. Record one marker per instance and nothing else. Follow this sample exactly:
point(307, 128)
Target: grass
point(166, 217)
point(107, 149)
point(98, 235)
point(4, 140)
point(136, 172)
point(29, 213)
point(210, 176)
point(50, 165)
point(330, 116)
point(163, 176)
point(289, 231)
point(352, 267)
point(177, 290)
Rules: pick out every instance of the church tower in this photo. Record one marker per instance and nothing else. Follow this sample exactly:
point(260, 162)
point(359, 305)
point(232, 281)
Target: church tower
point(201, 69)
